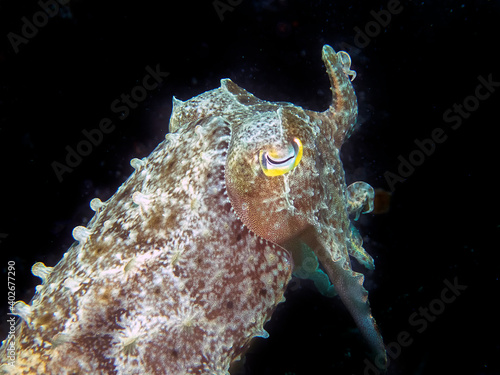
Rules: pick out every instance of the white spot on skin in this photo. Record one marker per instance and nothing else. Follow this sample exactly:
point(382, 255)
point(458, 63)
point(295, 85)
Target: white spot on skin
point(128, 338)
point(71, 284)
point(142, 200)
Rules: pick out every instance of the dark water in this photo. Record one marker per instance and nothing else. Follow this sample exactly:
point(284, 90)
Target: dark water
point(423, 73)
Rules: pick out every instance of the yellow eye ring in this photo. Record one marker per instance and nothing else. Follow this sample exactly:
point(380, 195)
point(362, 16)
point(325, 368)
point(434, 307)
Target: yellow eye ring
point(274, 165)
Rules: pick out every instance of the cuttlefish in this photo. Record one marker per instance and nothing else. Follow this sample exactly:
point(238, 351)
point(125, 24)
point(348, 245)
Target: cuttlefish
point(186, 262)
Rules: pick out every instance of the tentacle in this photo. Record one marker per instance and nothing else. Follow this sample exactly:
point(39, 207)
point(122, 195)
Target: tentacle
point(360, 198)
point(344, 107)
point(349, 286)
point(356, 249)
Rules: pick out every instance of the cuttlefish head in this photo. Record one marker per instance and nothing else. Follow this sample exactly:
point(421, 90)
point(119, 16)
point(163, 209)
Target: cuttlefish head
point(285, 181)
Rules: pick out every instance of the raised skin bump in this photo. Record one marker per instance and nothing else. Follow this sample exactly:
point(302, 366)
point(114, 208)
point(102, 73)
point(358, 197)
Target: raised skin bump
point(40, 270)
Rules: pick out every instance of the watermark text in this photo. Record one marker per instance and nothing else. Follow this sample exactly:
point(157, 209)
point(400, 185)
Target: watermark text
point(121, 107)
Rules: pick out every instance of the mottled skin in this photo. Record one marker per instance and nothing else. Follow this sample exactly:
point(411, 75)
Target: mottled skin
point(184, 264)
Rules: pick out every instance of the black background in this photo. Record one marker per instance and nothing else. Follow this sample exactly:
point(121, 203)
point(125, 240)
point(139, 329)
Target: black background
point(442, 222)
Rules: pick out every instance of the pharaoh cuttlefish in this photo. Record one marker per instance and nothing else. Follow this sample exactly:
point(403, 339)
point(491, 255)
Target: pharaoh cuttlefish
point(185, 263)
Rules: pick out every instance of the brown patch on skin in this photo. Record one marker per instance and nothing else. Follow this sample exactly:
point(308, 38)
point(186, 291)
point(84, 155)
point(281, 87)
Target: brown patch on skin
point(95, 346)
point(44, 319)
point(199, 261)
point(176, 271)
point(94, 246)
point(155, 219)
point(98, 249)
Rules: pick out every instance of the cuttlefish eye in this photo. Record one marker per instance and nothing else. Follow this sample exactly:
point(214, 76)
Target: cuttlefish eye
point(278, 162)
